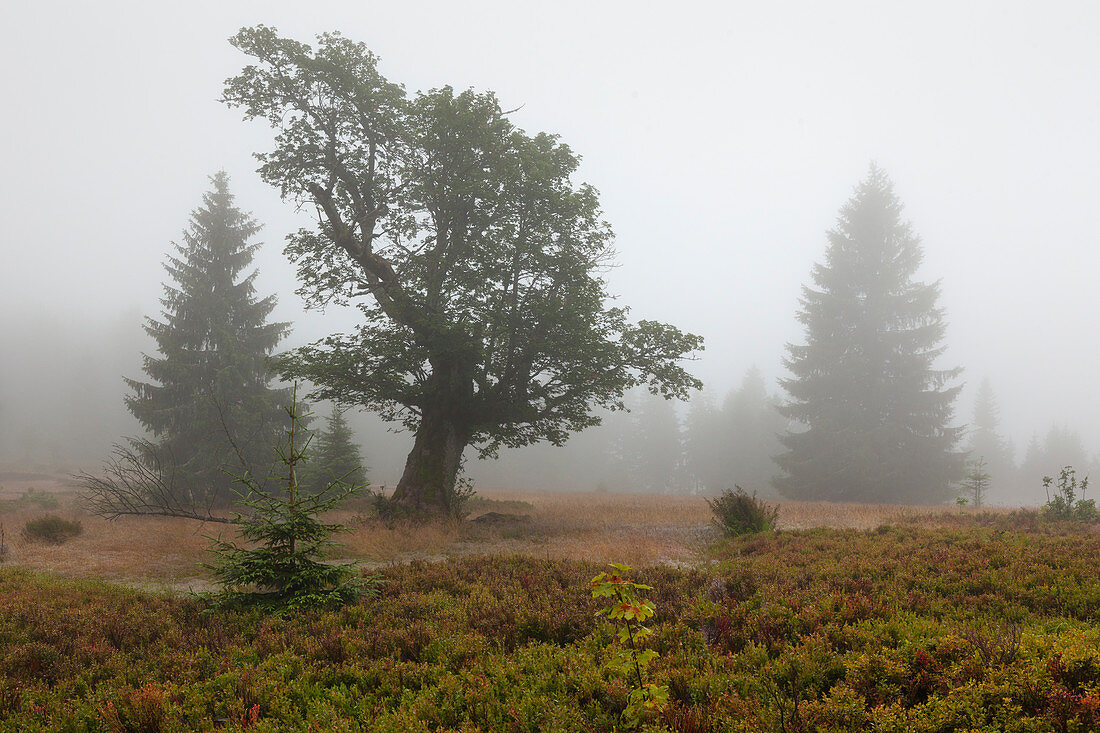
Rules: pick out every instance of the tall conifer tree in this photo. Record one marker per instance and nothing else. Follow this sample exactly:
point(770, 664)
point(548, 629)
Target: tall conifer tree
point(985, 441)
point(208, 405)
point(875, 413)
point(752, 428)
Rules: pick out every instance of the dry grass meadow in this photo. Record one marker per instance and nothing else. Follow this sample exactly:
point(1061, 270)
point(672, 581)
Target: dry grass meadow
point(643, 530)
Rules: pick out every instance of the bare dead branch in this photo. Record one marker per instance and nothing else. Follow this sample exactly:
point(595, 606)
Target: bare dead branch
point(137, 481)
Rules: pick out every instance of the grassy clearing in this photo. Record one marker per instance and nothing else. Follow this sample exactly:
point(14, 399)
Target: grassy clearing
point(978, 623)
point(639, 529)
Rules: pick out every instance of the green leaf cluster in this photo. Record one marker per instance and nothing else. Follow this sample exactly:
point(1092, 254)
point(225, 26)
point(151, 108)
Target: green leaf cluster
point(628, 612)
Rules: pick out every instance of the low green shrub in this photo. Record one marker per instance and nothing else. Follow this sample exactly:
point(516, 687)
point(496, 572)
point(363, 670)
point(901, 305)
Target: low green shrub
point(737, 513)
point(1065, 504)
point(51, 529)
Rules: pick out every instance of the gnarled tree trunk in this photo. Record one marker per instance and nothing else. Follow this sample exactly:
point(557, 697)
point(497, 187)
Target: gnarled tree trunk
point(431, 470)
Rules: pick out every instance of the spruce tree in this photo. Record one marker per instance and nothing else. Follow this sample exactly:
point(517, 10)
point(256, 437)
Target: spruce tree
point(333, 456)
point(288, 564)
point(704, 445)
point(985, 442)
point(752, 425)
point(874, 413)
point(208, 405)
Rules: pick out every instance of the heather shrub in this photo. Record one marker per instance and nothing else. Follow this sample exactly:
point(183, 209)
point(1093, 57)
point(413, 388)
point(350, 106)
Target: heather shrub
point(51, 529)
point(825, 630)
point(737, 513)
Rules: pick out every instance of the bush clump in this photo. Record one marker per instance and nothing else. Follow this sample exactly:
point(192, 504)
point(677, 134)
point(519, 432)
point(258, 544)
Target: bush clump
point(737, 513)
point(51, 529)
point(1068, 501)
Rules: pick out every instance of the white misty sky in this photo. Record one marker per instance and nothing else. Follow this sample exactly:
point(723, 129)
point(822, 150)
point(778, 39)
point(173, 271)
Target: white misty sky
point(723, 137)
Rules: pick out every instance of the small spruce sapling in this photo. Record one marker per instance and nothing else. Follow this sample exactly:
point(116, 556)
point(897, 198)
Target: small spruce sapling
point(628, 612)
point(285, 570)
point(976, 484)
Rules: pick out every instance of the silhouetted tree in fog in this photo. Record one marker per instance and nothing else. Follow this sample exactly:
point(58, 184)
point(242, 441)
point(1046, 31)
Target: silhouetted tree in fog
point(333, 455)
point(985, 441)
point(704, 443)
point(1061, 447)
point(208, 405)
point(753, 425)
point(875, 413)
point(655, 450)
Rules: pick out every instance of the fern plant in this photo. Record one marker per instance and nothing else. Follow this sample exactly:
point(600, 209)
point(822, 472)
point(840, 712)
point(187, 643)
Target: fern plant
point(284, 567)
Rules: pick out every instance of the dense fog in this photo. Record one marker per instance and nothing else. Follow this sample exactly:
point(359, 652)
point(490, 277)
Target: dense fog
point(723, 140)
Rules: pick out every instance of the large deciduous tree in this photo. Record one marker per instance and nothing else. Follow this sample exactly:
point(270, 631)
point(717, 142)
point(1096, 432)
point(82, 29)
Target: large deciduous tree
point(474, 257)
point(208, 405)
point(874, 412)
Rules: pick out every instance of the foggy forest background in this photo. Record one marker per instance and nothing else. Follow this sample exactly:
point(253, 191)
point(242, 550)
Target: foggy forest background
point(721, 163)
point(718, 439)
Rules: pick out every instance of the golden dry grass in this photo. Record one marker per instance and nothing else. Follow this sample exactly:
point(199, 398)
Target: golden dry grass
point(147, 550)
point(639, 529)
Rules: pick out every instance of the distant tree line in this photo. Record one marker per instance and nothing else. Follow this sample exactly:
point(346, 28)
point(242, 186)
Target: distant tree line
point(1018, 478)
point(658, 448)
